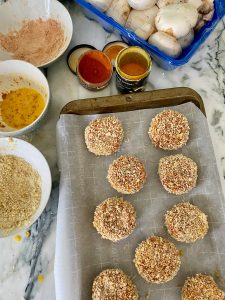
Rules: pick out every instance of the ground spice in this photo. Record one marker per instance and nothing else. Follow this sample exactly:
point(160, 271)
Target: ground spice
point(113, 51)
point(21, 107)
point(94, 68)
point(37, 41)
point(133, 68)
point(20, 192)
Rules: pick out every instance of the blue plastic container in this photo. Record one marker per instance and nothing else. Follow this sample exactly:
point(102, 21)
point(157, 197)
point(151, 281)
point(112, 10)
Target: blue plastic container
point(165, 61)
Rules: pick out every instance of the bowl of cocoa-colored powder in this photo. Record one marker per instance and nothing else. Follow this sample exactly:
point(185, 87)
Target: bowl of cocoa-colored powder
point(35, 31)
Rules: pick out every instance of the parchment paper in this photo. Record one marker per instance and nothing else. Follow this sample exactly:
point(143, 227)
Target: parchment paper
point(81, 253)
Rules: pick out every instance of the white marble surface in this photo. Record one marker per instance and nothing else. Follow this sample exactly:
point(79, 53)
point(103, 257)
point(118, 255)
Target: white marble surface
point(21, 262)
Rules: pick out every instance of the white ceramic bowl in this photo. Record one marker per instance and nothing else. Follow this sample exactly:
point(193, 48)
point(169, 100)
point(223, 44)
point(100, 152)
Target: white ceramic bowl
point(14, 12)
point(31, 77)
point(17, 147)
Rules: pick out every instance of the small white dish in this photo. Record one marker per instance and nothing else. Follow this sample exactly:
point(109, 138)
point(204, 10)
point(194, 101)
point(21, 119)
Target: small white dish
point(15, 74)
point(20, 148)
point(13, 13)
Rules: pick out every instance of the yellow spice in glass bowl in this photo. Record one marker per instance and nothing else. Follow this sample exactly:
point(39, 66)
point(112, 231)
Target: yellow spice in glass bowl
point(21, 107)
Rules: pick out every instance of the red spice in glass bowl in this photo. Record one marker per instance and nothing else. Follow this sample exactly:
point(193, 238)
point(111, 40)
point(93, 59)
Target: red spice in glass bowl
point(94, 70)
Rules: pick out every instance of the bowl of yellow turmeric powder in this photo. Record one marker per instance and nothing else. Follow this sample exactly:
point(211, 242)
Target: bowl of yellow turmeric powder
point(24, 97)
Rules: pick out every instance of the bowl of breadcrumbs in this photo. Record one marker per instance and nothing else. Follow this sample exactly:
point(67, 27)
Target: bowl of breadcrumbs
point(25, 185)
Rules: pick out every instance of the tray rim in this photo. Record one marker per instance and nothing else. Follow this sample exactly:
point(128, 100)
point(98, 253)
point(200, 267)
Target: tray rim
point(128, 102)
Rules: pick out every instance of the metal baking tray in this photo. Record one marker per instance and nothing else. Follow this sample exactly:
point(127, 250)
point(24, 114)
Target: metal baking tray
point(80, 193)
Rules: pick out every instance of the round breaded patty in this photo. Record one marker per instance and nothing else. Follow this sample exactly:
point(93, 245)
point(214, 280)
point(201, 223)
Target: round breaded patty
point(127, 174)
point(113, 284)
point(104, 136)
point(178, 173)
point(186, 222)
point(115, 219)
point(201, 287)
point(169, 130)
point(157, 260)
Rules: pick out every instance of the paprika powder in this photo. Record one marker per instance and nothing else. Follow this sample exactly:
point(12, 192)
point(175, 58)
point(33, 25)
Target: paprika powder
point(94, 69)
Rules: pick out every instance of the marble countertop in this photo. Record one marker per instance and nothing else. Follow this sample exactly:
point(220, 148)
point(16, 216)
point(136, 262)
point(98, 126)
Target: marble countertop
point(23, 262)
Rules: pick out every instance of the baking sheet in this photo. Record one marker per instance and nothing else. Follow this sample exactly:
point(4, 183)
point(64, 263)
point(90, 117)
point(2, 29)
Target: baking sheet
point(81, 253)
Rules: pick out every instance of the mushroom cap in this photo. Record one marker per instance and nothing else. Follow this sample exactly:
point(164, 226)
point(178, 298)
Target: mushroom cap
point(119, 10)
point(145, 31)
point(162, 3)
point(176, 19)
point(196, 3)
point(165, 43)
point(141, 4)
point(207, 6)
point(137, 17)
point(101, 5)
point(186, 40)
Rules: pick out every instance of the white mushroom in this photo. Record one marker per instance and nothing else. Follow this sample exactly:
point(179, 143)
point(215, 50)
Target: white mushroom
point(186, 40)
point(101, 5)
point(141, 4)
point(196, 3)
point(176, 19)
point(145, 31)
point(203, 18)
point(199, 25)
point(162, 3)
point(142, 22)
point(200, 22)
point(207, 6)
point(119, 10)
point(208, 17)
point(137, 17)
point(203, 6)
point(165, 43)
